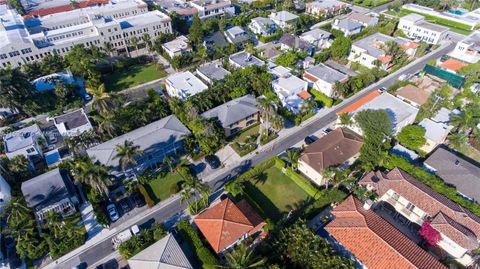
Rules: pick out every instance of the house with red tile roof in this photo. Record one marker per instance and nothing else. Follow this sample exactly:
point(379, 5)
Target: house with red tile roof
point(227, 223)
point(458, 227)
point(373, 241)
point(453, 65)
point(360, 102)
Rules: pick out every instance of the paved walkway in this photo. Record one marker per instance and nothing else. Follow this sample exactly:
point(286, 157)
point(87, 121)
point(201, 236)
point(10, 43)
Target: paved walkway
point(94, 229)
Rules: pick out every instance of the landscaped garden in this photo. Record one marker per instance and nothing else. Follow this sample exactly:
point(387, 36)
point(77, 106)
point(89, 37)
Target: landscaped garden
point(245, 142)
point(163, 186)
point(133, 76)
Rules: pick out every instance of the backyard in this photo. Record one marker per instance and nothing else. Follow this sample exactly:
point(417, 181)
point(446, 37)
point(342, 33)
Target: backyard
point(245, 142)
point(274, 193)
point(133, 76)
point(454, 26)
point(163, 187)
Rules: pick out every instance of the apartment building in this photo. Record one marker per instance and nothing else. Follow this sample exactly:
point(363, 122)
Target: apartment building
point(468, 50)
point(415, 27)
point(183, 9)
point(325, 7)
point(370, 52)
point(183, 85)
point(26, 142)
point(213, 8)
point(27, 40)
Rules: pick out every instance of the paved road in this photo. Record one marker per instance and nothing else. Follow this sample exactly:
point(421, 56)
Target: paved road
point(160, 213)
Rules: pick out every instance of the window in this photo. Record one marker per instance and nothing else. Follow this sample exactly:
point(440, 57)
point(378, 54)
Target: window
point(410, 206)
point(30, 150)
point(395, 196)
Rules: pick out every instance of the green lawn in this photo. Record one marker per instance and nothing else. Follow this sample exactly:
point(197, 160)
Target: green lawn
point(370, 3)
point(161, 187)
point(275, 193)
point(132, 76)
point(253, 130)
point(454, 26)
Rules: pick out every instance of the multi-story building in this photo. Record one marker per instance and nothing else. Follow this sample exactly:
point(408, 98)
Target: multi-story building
point(26, 142)
point(5, 193)
point(262, 26)
point(284, 19)
point(323, 78)
point(415, 27)
point(27, 40)
point(458, 228)
point(183, 9)
point(184, 85)
point(370, 51)
point(292, 92)
point(178, 46)
point(213, 8)
point(325, 7)
point(468, 50)
point(72, 123)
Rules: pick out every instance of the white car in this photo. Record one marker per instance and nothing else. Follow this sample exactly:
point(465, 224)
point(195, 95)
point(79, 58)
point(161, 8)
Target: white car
point(112, 212)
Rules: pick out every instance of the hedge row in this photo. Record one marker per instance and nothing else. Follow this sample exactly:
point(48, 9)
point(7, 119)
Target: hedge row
point(432, 181)
point(320, 97)
point(302, 182)
point(201, 252)
point(146, 196)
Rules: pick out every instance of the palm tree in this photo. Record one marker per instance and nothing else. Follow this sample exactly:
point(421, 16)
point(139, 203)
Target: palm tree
point(18, 164)
point(268, 107)
point(16, 210)
point(169, 161)
point(147, 40)
point(105, 123)
point(467, 120)
point(243, 257)
point(328, 175)
point(127, 153)
point(292, 158)
point(92, 174)
point(102, 101)
point(346, 119)
point(189, 144)
point(15, 89)
point(134, 41)
point(307, 107)
point(277, 122)
point(458, 140)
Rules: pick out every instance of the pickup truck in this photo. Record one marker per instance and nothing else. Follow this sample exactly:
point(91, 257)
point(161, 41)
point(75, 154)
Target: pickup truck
point(124, 236)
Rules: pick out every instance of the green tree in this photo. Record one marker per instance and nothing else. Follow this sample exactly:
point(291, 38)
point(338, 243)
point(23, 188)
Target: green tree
point(15, 90)
point(127, 153)
point(346, 119)
point(103, 101)
point(196, 31)
point(468, 119)
point(105, 124)
point(243, 257)
point(412, 137)
point(288, 5)
point(340, 47)
point(292, 158)
point(91, 174)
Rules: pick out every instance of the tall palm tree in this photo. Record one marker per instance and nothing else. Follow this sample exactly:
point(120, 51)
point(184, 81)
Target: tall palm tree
point(102, 101)
point(268, 107)
point(127, 154)
point(169, 161)
point(468, 119)
point(243, 257)
point(105, 123)
point(134, 41)
point(16, 210)
point(92, 174)
point(307, 107)
point(458, 140)
point(147, 40)
point(346, 119)
point(292, 158)
point(328, 175)
point(277, 122)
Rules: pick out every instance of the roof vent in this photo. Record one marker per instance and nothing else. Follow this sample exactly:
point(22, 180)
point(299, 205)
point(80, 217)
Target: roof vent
point(368, 204)
point(457, 162)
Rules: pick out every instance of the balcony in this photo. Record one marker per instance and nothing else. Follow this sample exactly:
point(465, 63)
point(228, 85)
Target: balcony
point(402, 209)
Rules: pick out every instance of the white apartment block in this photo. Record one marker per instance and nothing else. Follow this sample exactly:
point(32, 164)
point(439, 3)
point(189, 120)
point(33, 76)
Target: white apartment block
point(183, 85)
point(468, 50)
point(415, 27)
point(213, 8)
point(27, 40)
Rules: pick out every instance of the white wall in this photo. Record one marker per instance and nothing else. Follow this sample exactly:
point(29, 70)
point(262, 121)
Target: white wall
point(311, 173)
point(5, 193)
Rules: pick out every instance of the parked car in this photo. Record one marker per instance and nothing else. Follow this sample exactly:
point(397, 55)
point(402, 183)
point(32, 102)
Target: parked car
point(138, 200)
point(125, 205)
point(309, 140)
point(213, 161)
point(112, 212)
point(326, 130)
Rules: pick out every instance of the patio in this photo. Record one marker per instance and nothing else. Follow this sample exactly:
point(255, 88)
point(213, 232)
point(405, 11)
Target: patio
point(388, 213)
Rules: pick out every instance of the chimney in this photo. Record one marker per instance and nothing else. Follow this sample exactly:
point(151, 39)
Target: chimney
point(368, 204)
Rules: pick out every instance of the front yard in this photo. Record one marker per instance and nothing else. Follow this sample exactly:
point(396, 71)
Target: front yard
point(132, 76)
point(274, 193)
point(161, 188)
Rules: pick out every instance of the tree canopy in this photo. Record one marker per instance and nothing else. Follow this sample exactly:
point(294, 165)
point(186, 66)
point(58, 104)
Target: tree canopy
point(412, 137)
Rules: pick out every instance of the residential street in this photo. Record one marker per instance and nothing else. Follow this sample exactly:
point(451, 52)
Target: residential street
point(101, 250)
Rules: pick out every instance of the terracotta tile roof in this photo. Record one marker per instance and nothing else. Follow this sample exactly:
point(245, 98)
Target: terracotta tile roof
point(360, 102)
point(374, 241)
point(64, 8)
point(310, 78)
point(226, 222)
point(452, 64)
point(409, 45)
point(422, 197)
point(456, 232)
point(333, 149)
point(414, 94)
point(305, 95)
point(385, 59)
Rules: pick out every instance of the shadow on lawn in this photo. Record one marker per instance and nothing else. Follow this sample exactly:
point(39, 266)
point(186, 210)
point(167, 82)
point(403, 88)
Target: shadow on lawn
point(263, 204)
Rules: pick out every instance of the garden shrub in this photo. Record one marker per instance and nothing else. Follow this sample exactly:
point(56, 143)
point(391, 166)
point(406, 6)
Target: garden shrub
point(145, 195)
point(203, 254)
point(174, 188)
point(141, 241)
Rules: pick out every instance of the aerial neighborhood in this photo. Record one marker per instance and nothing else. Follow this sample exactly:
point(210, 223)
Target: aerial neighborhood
point(239, 134)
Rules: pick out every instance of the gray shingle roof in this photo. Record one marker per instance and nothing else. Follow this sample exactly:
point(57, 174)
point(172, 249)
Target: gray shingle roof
point(372, 44)
point(455, 170)
point(326, 73)
point(164, 254)
point(213, 70)
point(72, 119)
point(168, 129)
point(294, 42)
point(47, 189)
point(348, 24)
point(234, 110)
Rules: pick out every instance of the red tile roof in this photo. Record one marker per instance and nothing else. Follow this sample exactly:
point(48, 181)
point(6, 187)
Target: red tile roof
point(374, 241)
point(409, 45)
point(226, 222)
point(360, 102)
point(452, 64)
point(305, 95)
point(333, 149)
point(386, 59)
point(456, 232)
point(310, 78)
point(424, 198)
point(64, 8)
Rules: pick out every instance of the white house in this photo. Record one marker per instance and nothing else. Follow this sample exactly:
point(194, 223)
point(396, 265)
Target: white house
point(415, 27)
point(73, 123)
point(365, 20)
point(262, 26)
point(370, 53)
point(213, 8)
point(236, 35)
point(325, 7)
point(323, 78)
point(284, 19)
point(26, 40)
point(347, 26)
point(176, 47)
point(26, 142)
point(289, 90)
point(318, 38)
point(184, 85)
point(5, 193)
point(468, 49)
point(243, 59)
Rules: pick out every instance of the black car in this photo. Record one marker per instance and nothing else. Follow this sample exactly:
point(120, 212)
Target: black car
point(309, 140)
point(213, 161)
point(138, 200)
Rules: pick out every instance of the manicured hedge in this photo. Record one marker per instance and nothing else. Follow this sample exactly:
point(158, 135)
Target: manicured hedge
point(204, 255)
point(320, 97)
point(298, 179)
point(145, 195)
point(432, 181)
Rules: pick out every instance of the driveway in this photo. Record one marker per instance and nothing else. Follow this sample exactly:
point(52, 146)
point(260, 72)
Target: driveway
point(227, 157)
